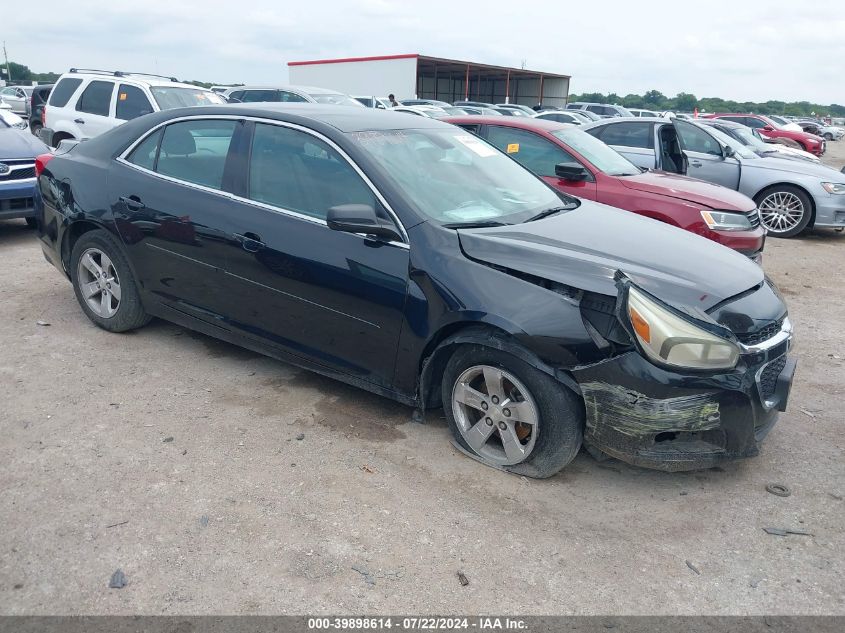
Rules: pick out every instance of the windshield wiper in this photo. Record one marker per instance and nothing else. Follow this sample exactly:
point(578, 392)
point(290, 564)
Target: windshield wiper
point(481, 224)
point(553, 210)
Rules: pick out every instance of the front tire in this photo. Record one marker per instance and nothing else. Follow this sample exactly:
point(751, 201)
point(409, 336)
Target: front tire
point(104, 285)
point(509, 414)
point(785, 210)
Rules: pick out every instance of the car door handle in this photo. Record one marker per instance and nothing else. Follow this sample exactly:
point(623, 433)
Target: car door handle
point(250, 242)
point(80, 121)
point(695, 163)
point(133, 203)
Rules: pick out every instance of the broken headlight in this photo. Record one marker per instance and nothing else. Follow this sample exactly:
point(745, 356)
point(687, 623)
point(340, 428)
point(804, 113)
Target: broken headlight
point(672, 340)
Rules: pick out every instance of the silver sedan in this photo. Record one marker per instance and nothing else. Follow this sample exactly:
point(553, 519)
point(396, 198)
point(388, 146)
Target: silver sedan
point(791, 195)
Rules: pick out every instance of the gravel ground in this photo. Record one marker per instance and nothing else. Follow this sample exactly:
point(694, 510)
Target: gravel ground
point(223, 482)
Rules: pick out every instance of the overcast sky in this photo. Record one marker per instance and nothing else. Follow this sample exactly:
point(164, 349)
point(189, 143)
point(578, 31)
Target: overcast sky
point(774, 49)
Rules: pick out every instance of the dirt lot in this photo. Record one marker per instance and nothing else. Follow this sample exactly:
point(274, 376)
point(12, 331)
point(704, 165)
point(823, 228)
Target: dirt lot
point(176, 458)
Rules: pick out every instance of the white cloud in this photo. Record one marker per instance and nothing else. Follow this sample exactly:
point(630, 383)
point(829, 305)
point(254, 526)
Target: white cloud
point(779, 49)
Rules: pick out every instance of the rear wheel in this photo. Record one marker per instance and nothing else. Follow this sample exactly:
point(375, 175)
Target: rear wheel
point(509, 414)
point(104, 285)
point(785, 211)
point(35, 128)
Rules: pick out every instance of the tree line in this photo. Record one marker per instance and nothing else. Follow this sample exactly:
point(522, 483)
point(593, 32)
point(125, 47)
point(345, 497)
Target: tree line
point(686, 102)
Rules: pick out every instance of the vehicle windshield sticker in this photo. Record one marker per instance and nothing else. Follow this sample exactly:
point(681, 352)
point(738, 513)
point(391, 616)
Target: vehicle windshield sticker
point(476, 146)
point(513, 148)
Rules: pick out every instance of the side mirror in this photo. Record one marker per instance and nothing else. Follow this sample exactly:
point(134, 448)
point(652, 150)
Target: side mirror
point(728, 151)
point(572, 172)
point(768, 128)
point(360, 218)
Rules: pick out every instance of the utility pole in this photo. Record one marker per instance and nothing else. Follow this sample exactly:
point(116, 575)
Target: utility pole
point(6, 57)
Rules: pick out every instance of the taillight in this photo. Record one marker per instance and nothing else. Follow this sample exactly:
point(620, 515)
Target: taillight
point(41, 162)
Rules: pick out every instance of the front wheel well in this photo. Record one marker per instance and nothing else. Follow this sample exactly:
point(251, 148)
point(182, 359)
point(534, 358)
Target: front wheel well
point(758, 197)
point(58, 137)
point(440, 348)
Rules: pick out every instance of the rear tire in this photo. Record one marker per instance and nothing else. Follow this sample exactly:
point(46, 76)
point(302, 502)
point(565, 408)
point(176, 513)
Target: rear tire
point(785, 211)
point(103, 283)
point(35, 128)
point(518, 418)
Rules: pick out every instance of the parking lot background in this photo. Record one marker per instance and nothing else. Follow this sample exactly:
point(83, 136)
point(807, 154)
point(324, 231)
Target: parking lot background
point(176, 458)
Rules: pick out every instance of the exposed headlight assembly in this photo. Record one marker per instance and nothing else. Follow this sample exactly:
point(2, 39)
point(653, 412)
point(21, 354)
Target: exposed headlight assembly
point(834, 187)
point(672, 340)
point(726, 221)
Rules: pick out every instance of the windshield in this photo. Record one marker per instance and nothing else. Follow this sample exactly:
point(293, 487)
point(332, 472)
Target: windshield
point(456, 178)
point(601, 156)
point(10, 119)
point(331, 98)
point(169, 97)
point(740, 149)
point(750, 139)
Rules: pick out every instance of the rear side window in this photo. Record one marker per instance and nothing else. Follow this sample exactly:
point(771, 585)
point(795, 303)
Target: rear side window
point(145, 154)
point(735, 119)
point(131, 103)
point(628, 134)
point(96, 98)
point(64, 91)
point(196, 151)
point(755, 123)
point(530, 150)
point(294, 170)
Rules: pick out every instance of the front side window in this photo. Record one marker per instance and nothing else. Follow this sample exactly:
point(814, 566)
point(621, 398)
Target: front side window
point(291, 97)
point(131, 103)
point(628, 134)
point(595, 152)
point(694, 139)
point(533, 151)
point(96, 98)
point(456, 178)
point(294, 170)
point(8, 92)
point(196, 151)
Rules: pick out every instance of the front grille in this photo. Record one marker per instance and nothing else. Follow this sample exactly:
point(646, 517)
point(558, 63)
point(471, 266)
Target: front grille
point(769, 377)
point(18, 174)
point(763, 334)
point(16, 204)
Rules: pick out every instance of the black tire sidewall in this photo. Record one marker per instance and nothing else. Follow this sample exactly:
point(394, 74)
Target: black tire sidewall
point(130, 312)
point(805, 200)
point(561, 426)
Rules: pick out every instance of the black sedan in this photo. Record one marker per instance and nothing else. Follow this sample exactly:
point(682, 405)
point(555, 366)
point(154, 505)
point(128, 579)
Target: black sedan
point(410, 258)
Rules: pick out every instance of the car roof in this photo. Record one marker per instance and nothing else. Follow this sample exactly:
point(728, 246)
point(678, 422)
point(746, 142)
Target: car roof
point(526, 123)
point(148, 80)
point(343, 118)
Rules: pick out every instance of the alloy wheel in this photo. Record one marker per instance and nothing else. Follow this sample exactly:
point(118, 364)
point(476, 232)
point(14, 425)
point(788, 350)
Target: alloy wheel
point(495, 414)
point(98, 283)
point(781, 211)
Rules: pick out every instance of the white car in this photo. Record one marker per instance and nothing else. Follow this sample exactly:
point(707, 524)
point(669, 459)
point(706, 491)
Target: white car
point(432, 112)
point(289, 94)
point(85, 103)
point(17, 97)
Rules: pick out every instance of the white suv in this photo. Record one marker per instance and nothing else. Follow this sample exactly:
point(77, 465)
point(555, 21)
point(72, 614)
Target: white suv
point(85, 103)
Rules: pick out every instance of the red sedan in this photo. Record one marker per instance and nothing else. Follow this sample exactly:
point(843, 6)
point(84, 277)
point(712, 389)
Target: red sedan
point(768, 128)
point(576, 163)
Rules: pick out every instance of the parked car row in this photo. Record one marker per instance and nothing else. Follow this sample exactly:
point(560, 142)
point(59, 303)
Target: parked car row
point(432, 264)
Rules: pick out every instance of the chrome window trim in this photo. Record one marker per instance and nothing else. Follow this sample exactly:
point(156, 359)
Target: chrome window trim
point(121, 158)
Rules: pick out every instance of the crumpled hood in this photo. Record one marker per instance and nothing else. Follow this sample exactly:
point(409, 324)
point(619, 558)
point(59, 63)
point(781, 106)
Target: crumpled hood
point(804, 168)
point(689, 189)
point(16, 144)
point(584, 248)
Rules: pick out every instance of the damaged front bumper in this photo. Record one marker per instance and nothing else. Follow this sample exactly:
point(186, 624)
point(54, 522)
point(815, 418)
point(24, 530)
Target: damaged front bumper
point(662, 419)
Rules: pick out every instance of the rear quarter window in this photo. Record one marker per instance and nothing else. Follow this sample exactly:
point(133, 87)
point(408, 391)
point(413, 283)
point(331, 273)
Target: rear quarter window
point(64, 91)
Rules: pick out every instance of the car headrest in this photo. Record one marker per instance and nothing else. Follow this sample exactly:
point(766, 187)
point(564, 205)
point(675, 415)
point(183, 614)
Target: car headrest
point(178, 141)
